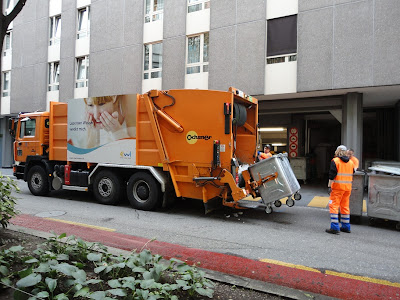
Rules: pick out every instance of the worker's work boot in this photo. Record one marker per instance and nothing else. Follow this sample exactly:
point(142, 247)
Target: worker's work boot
point(332, 231)
point(345, 230)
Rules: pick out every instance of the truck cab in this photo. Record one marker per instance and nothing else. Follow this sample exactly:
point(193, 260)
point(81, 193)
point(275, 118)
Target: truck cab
point(31, 139)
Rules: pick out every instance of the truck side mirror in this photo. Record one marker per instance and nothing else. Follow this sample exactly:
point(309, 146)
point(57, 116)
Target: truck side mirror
point(11, 126)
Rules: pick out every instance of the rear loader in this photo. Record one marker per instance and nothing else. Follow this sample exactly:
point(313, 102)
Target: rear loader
point(153, 148)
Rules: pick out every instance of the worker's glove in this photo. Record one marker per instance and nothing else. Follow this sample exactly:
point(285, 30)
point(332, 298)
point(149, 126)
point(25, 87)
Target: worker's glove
point(329, 190)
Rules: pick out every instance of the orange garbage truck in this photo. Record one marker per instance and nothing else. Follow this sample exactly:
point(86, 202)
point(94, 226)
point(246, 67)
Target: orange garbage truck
point(151, 148)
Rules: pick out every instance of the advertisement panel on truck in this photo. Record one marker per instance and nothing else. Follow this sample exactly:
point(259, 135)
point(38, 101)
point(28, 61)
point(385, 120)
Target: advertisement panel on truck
point(102, 129)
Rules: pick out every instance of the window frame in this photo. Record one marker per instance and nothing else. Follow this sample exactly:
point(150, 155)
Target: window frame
point(5, 92)
point(23, 128)
point(152, 15)
point(201, 64)
point(55, 30)
point(201, 4)
point(8, 6)
point(82, 82)
point(7, 50)
point(282, 36)
point(53, 83)
point(83, 33)
point(148, 74)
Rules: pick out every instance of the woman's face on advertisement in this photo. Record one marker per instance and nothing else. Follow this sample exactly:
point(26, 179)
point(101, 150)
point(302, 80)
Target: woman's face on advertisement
point(97, 109)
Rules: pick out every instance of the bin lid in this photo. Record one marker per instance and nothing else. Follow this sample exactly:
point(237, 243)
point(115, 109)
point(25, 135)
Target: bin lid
point(386, 169)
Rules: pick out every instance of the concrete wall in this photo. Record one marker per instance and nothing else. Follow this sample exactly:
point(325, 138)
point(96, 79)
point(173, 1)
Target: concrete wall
point(347, 43)
point(341, 44)
point(173, 69)
point(237, 45)
point(116, 47)
point(67, 50)
point(174, 44)
point(29, 60)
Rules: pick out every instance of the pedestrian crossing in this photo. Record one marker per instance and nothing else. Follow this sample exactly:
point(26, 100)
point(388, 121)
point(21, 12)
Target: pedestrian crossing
point(323, 202)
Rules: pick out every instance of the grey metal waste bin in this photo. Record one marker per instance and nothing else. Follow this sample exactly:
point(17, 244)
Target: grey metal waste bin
point(384, 197)
point(285, 185)
point(300, 168)
point(357, 196)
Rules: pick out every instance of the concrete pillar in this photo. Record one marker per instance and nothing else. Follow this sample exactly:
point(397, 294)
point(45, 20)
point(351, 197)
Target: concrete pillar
point(7, 159)
point(352, 123)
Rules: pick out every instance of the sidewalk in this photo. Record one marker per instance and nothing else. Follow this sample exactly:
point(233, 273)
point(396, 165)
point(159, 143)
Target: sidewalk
point(291, 281)
point(7, 171)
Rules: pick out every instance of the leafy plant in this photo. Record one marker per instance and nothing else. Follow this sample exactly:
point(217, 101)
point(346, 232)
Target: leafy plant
point(192, 280)
point(8, 257)
point(77, 269)
point(7, 201)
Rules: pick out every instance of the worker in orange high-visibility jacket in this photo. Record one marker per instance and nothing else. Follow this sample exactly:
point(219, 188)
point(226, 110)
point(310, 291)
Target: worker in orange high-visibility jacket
point(350, 154)
point(340, 182)
point(266, 154)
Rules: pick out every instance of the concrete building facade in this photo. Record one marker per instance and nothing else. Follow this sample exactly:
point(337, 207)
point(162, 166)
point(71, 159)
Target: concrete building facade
point(326, 68)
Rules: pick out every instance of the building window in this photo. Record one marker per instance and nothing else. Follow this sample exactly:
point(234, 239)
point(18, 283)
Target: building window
point(7, 43)
point(83, 23)
point(196, 5)
point(8, 6)
point(55, 30)
point(154, 10)
point(54, 76)
point(6, 84)
point(152, 61)
point(275, 60)
point(197, 53)
point(82, 72)
point(282, 36)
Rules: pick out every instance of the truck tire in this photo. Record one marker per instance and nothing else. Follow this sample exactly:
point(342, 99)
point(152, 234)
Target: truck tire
point(107, 187)
point(38, 182)
point(143, 191)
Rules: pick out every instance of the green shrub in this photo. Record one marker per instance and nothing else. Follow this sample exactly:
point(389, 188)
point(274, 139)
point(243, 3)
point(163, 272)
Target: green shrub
point(7, 202)
point(77, 269)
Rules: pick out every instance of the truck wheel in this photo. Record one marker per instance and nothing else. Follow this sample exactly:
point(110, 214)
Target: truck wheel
point(143, 191)
point(37, 181)
point(107, 187)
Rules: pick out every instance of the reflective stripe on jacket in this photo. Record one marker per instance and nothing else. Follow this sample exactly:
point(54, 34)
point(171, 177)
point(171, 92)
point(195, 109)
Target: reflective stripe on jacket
point(344, 177)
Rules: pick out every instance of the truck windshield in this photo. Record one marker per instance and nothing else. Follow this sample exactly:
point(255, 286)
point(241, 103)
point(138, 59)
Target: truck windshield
point(27, 127)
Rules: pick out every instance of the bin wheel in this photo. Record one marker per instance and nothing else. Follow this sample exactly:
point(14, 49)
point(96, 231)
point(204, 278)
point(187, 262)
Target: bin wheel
point(278, 203)
point(398, 226)
point(297, 196)
point(268, 209)
point(290, 202)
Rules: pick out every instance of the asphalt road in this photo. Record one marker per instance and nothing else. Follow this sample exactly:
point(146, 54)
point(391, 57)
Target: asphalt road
point(292, 235)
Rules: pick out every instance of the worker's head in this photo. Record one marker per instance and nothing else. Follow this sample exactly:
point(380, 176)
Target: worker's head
point(350, 153)
point(267, 148)
point(95, 106)
point(341, 151)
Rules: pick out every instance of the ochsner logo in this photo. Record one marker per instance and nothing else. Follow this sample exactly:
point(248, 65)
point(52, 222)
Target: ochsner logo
point(192, 137)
